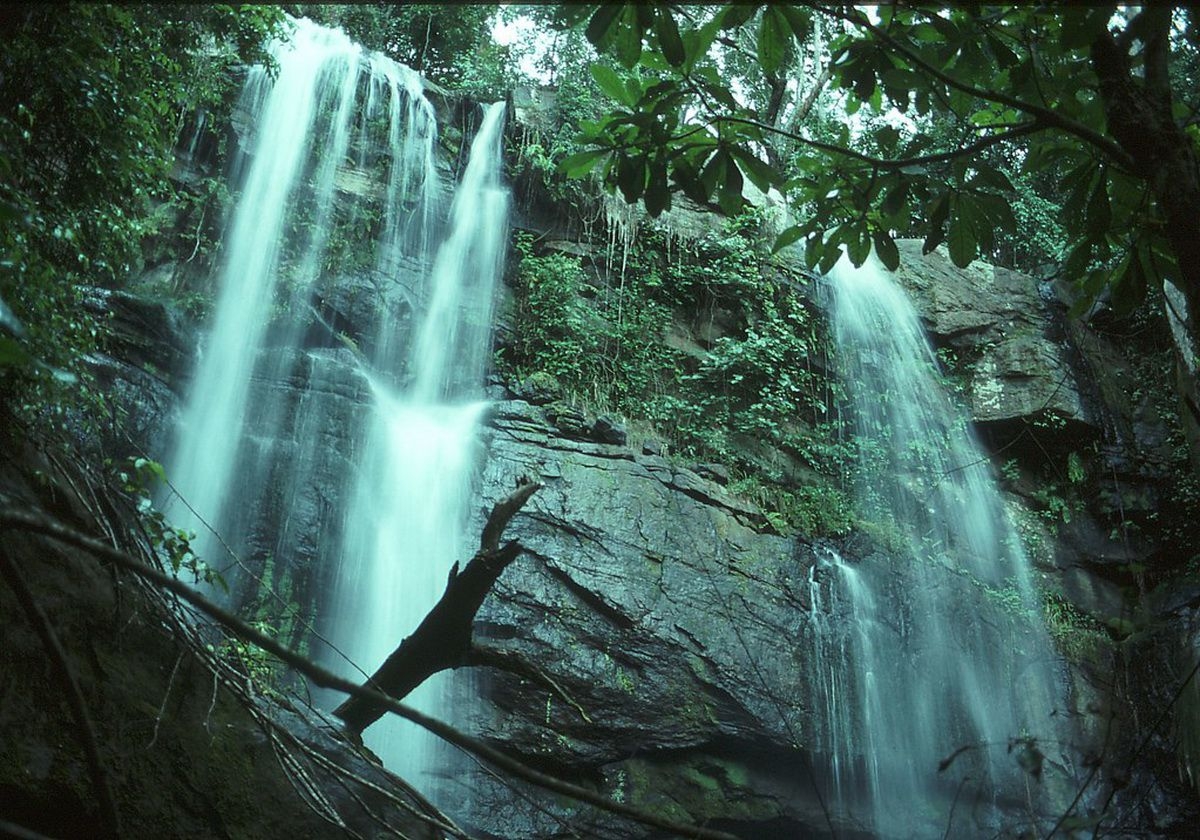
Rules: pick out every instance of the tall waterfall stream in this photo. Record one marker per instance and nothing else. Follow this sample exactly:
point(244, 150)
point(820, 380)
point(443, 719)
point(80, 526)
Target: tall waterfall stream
point(934, 650)
point(335, 116)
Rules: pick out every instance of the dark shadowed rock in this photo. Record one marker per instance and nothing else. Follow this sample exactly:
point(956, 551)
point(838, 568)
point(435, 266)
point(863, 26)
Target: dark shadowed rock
point(607, 430)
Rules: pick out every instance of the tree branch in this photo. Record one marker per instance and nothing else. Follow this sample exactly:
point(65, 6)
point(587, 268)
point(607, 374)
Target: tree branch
point(327, 679)
point(1044, 115)
point(510, 662)
point(880, 163)
point(1156, 54)
point(443, 639)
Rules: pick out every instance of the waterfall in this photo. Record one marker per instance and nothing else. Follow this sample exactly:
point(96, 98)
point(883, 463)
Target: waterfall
point(406, 522)
point(291, 118)
point(331, 419)
point(939, 648)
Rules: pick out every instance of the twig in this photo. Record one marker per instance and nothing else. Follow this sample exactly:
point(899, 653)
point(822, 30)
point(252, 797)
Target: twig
point(327, 679)
point(1046, 116)
point(199, 224)
point(167, 696)
point(84, 729)
point(212, 705)
point(20, 832)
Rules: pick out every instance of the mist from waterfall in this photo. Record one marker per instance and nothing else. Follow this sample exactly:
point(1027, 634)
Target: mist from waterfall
point(935, 646)
point(289, 421)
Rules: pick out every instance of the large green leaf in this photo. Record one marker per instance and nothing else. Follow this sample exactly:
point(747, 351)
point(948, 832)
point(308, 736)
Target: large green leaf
point(627, 40)
point(938, 212)
point(885, 249)
point(787, 238)
point(1099, 213)
point(963, 237)
point(668, 36)
point(760, 174)
point(658, 192)
point(735, 14)
point(631, 177)
point(601, 25)
point(611, 84)
point(774, 37)
point(578, 165)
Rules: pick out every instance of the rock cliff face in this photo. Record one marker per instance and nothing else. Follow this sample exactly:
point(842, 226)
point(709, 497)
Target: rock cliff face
point(673, 625)
point(673, 622)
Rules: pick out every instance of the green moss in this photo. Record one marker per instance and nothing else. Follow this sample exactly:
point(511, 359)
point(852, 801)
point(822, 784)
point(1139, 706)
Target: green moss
point(1078, 636)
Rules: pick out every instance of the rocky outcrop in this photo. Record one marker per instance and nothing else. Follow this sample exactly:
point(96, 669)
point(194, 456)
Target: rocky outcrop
point(188, 745)
point(1007, 331)
point(670, 621)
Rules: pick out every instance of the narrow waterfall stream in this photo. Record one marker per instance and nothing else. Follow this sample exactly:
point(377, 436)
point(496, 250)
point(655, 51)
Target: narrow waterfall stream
point(308, 107)
point(301, 442)
point(934, 646)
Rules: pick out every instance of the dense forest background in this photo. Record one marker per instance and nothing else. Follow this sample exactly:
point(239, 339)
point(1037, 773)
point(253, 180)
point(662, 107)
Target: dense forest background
point(1063, 144)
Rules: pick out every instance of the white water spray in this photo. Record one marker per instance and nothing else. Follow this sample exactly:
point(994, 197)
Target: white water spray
point(942, 649)
point(405, 524)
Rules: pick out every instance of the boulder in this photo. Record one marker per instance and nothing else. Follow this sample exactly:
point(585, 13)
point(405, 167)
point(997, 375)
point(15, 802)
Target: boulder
point(656, 602)
point(1009, 336)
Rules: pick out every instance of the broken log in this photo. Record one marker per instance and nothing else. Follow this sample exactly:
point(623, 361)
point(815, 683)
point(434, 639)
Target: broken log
point(443, 639)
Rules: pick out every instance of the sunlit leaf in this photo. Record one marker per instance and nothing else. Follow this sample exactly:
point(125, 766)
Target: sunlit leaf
point(580, 164)
point(774, 36)
point(611, 84)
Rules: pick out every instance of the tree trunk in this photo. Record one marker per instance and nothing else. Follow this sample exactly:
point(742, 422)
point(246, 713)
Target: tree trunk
point(1140, 119)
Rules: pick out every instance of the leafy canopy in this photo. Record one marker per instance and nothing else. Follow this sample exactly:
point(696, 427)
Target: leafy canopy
point(956, 103)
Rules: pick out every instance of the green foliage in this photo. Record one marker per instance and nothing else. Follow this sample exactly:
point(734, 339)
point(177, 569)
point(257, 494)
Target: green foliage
point(261, 670)
point(969, 125)
point(751, 389)
point(1078, 636)
point(91, 105)
point(601, 343)
point(139, 477)
point(449, 44)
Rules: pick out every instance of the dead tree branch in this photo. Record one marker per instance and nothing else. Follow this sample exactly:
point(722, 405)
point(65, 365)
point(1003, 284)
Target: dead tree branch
point(512, 663)
point(443, 639)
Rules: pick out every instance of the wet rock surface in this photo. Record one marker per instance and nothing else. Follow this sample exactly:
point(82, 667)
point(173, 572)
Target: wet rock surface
point(1017, 363)
point(184, 756)
point(649, 595)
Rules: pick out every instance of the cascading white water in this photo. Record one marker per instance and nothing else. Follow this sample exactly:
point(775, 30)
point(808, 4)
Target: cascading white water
point(405, 525)
point(941, 645)
point(270, 425)
point(315, 65)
